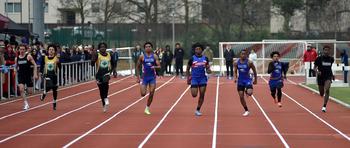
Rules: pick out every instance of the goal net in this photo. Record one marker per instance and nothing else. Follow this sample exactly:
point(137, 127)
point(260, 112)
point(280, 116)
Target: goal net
point(291, 53)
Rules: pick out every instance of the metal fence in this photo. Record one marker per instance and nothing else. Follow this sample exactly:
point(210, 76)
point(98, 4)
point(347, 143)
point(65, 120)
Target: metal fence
point(68, 74)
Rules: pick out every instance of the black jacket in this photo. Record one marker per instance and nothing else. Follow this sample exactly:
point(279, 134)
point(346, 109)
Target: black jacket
point(229, 55)
point(179, 54)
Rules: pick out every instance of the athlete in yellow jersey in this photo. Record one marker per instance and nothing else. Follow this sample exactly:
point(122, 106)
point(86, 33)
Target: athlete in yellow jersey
point(103, 67)
point(48, 68)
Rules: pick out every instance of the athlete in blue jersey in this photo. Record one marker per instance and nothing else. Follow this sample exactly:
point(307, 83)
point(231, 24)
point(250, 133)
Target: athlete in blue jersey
point(150, 62)
point(276, 77)
point(244, 82)
point(198, 64)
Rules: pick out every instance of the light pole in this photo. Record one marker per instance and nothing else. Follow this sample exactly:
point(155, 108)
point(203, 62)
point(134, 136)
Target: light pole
point(173, 23)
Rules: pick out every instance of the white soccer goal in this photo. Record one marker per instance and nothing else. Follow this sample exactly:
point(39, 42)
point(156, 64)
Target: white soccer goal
point(291, 52)
point(336, 46)
point(125, 63)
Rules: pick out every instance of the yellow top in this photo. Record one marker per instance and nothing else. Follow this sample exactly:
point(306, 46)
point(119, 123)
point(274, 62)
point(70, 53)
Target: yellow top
point(103, 62)
point(50, 65)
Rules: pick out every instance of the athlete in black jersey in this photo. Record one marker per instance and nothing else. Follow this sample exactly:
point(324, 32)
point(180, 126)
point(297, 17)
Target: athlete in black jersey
point(323, 67)
point(24, 62)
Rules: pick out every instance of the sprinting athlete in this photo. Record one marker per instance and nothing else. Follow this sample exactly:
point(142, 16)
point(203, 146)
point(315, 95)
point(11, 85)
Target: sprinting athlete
point(150, 62)
point(24, 61)
point(276, 77)
point(103, 67)
point(198, 64)
point(49, 67)
point(244, 82)
point(323, 68)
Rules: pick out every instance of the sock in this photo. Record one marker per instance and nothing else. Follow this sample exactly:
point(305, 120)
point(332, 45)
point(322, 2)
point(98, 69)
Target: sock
point(324, 105)
point(198, 108)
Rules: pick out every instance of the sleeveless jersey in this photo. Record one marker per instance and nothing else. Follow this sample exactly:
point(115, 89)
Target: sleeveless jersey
point(198, 66)
point(148, 63)
point(243, 70)
point(50, 65)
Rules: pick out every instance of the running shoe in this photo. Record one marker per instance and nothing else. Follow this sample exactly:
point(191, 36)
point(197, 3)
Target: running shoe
point(147, 112)
point(246, 113)
point(42, 97)
point(26, 105)
point(198, 113)
point(279, 104)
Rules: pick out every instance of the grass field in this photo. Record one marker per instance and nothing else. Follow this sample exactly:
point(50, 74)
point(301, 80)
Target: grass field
point(341, 93)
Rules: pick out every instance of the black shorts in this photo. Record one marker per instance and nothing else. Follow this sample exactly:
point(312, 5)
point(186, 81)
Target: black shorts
point(52, 82)
point(243, 88)
point(25, 80)
point(321, 80)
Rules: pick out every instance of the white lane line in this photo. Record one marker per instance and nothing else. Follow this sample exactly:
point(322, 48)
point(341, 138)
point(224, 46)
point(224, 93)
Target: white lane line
point(67, 97)
point(271, 123)
point(64, 88)
point(313, 114)
point(162, 120)
point(177, 134)
point(109, 119)
point(216, 113)
point(61, 116)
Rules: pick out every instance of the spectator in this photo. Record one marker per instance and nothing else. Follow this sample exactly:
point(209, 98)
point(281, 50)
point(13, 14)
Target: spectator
point(135, 56)
point(345, 61)
point(310, 55)
point(10, 56)
point(168, 58)
point(160, 54)
point(209, 54)
point(229, 55)
point(114, 61)
point(253, 57)
point(2, 63)
point(87, 52)
point(179, 57)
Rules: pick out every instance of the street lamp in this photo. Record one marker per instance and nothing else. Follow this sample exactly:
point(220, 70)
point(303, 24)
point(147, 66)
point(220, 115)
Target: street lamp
point(173, 23)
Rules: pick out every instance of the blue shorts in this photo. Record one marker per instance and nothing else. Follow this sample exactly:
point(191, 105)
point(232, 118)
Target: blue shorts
point(275, 84)
point(199, 81)
point(242, 85)
point(148, 80)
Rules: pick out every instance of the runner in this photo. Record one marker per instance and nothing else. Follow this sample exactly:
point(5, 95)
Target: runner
point(49, 67)
point(150, 62)
point(244, 82)
point(24, 61)
point(198, 64)
point(276, 80)
point(103, 68)
point(323, 68)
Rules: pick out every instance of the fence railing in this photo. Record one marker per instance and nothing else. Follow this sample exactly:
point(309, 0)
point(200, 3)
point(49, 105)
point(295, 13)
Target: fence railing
point(67, 74)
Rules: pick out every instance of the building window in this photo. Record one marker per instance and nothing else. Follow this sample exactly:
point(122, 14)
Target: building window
point(95, 7)
point(13, 7)
point(46, 7)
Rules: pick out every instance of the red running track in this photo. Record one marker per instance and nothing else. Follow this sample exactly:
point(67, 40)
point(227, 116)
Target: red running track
point(80, 122)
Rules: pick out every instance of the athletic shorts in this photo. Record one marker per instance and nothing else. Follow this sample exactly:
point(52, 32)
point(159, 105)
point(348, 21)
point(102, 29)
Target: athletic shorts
point(199, 82)
point(275, 84)
point(25, 80)
point(244, 85)
point(321, 80)
point(148, 80)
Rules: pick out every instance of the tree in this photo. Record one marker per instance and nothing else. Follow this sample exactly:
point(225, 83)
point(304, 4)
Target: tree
point(79, 6)
point(312, 9)
point(111, 10)
point(287, 9)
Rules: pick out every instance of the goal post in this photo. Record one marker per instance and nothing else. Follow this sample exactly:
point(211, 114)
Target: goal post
point(291, 52)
